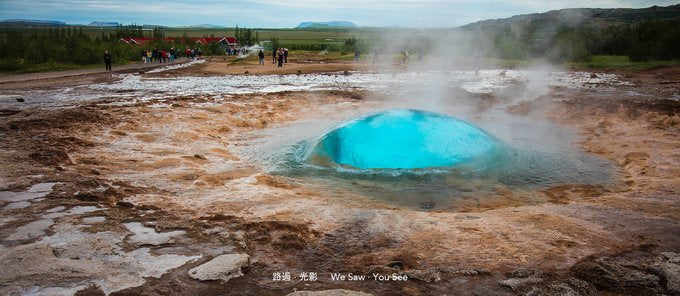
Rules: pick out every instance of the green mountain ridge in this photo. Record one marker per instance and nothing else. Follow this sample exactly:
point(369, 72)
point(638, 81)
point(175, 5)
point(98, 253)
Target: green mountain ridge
point(597, 17)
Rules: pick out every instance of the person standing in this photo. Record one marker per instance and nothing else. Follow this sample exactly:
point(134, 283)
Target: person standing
point(273, 55)
point(280, 53)
point(356, 55)
point(285, 55)
point(143, 56)
point(107, 60)
point(375, 56)
point(261, 56)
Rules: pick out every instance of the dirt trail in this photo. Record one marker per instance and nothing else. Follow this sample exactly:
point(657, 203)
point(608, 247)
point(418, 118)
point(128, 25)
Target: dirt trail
point(70, 77)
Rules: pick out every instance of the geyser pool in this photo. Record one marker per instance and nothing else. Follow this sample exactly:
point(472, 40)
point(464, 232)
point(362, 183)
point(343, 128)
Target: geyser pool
point(402, 139)
point(483, 172)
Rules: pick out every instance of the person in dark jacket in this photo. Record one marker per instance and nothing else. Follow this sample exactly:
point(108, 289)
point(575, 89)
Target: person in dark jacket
point(261, 56)
point(107, 60)
point(280, 53)
point(273, 55)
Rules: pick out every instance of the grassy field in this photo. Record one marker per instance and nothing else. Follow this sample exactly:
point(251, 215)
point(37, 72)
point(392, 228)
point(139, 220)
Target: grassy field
point(622, 62)
point(285, 36)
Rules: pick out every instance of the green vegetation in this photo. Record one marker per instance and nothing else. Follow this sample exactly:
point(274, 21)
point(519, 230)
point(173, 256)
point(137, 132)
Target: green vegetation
point(645, 41)
point(594, 38)
point(64, 48)
point(622, 62)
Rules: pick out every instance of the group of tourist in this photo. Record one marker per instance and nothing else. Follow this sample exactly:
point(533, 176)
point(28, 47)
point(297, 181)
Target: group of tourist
point(281, 56)
point(164, 56)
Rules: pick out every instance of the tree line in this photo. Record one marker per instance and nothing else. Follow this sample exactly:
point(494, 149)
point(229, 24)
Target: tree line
point(68, 47)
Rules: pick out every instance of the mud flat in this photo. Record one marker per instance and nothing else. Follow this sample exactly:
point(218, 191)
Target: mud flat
point(134, 182)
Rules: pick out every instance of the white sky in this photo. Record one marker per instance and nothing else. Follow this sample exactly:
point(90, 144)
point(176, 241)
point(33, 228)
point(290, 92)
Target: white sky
point(288, 13)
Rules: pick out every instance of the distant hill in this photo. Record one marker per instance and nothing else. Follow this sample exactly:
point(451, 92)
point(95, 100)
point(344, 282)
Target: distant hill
point(598, 17)
point(31, 23)
point(104, 24)
point(331, 24)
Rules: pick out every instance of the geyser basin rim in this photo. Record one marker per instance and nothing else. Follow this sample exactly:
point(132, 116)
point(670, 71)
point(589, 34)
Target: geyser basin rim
point(401, 139)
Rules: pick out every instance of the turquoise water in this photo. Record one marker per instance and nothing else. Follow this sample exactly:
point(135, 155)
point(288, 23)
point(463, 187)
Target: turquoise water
point(402, 139)
point(430, 161)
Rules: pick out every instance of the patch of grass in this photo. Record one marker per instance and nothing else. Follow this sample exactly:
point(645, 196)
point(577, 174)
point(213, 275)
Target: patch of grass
point(622, 62)
point(17, 68)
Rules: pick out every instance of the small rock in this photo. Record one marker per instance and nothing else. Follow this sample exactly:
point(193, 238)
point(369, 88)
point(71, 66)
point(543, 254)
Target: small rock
point(427, 275)
point(141, 72)
point(20, 100)
point(522, 278)
point(346, 73)
point(396, 264)
point(667, 265)
point(246, 72)
point(617, 275)
point(87, 196)
point(125, 205)
point(593, 75)
point(299, 72)
point(516, 283)
point(335, 292)
point(660, 75)
point(200, 156)
point(223, 267)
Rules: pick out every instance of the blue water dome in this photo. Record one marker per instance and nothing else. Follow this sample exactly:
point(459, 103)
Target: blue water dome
point(401, 139)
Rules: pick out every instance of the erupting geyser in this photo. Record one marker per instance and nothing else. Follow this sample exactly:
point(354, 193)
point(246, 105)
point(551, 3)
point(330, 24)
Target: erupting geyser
point(402, 139)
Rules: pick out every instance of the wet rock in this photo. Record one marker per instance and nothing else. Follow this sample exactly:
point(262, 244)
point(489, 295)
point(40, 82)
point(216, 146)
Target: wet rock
point(535, 283)
point(31, 230)
point(246, 72)
point(143, 235)
point(667, 265)
point(200, 156)
point(50, 156)
point(20, 100)
point(72, 258)
point(17, 205)
point(569, 287)
point(396, 264)
point(125, 205)
point(87, 196)
point(141, 72)
point(299, 72)
point(336, 292)
point(427, 275)
point(346, 73)
point(618, 275)
point(593, 75)
point(223, 267)
point(522, 278)
point(463, 271)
